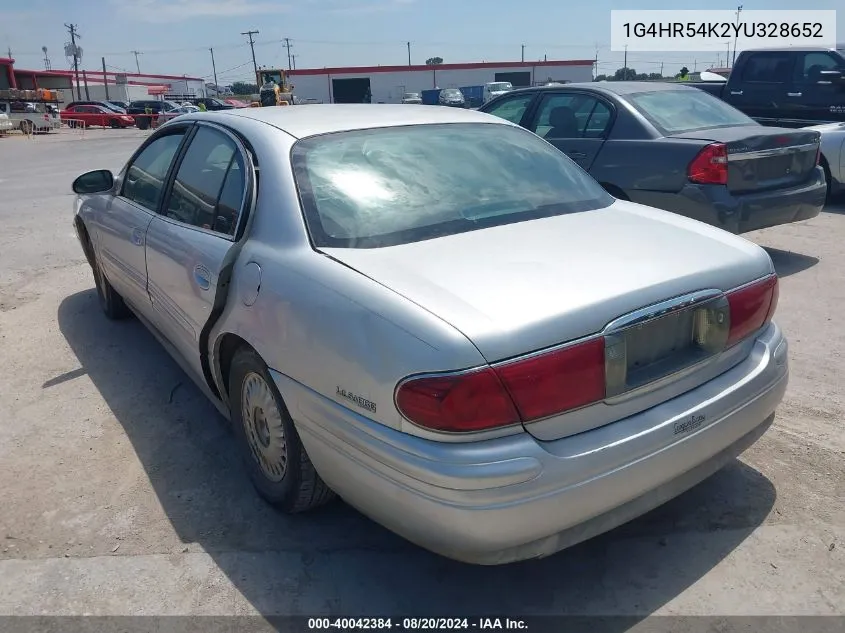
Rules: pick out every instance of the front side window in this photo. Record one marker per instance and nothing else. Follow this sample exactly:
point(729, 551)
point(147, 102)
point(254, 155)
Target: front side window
point(813, 63)
point(388, 186)
point(687, 110)
point(144, 181)
point(212, 166)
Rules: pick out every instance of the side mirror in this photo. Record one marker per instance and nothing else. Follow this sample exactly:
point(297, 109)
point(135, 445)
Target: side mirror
point(827, 76)
point(98, 181)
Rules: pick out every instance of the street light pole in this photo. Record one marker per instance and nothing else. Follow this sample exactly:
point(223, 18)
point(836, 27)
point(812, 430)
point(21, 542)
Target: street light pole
point(736, 33)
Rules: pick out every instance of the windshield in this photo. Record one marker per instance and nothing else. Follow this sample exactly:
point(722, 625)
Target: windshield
point(686, 110)
point(388, 186)
point(501, 87)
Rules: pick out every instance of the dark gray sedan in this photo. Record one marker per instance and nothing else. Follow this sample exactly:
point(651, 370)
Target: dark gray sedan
point(677, 148)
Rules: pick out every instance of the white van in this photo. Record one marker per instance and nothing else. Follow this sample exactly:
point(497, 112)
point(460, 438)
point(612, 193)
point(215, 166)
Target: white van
point(496, 88)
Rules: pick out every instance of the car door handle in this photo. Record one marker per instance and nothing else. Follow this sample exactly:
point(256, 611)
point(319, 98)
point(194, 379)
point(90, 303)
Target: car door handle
point(137, 237)
point(202, 277)
point(793, 94)
point(736, 92)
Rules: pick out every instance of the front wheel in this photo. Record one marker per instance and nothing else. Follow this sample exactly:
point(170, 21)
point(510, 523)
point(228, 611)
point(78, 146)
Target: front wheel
point(278, 465)
point(111, 302)
point(114, 124)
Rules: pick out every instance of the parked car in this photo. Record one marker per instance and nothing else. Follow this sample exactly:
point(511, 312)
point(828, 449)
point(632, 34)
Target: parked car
point(212, 105)
point(138, 110)
point(92, 115)
point(31, 116)
point(788, 87)
point(108, 105)
point(5, 123)
point(119, 104)
point(832, 156)
point(479, 348)
point(496, 89)
point(412, 98)
point(163, 117)
point(677, 148)
point(451, 97)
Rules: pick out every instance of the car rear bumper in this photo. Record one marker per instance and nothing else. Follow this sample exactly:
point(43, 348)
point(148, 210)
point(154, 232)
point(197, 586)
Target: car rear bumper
point(740, 213)
point(514, 498)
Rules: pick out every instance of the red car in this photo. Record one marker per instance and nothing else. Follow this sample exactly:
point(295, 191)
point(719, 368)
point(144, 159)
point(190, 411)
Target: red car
point(95, 115)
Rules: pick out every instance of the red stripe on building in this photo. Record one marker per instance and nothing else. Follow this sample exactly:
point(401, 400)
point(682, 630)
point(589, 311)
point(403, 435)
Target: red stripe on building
point(366, 70)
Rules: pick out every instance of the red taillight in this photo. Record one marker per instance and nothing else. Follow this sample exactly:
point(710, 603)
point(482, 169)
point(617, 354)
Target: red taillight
point(710, 167)
point(520, 391)
point(556, 381)
point(471, 401)
point(752, 307)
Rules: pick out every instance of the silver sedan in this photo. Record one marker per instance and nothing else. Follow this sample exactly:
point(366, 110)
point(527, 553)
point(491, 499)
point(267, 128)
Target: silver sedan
point(436, 315)
point(832, 157)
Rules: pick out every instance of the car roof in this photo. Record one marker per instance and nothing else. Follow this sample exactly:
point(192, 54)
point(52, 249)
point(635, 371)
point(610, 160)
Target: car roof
point(610, 87)
point(309, 120)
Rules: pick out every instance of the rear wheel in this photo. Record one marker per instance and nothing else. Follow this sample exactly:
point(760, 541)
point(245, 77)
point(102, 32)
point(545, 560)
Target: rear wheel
point(111, 302)
point(827, 177)
point(278, 465)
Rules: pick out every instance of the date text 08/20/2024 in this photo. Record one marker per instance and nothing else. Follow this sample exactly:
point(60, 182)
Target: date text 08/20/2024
point(415, 624)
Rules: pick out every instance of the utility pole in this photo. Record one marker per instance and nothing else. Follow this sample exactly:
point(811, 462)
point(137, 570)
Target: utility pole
point(9, 51)
point(625, 65)
point(293, 57)
point(137, 65)
point(523, 52)
point(73, 35)
point(214, 68)
point(694, 65)
point(736, 34)
point(287, 45)
point(105, 78)
point(728, 56)
point(409, 53)
point(252, 47)
point(661, 69)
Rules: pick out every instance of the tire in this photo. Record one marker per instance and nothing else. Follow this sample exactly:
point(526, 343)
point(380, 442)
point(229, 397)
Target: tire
point(273, 454)
point(827, 177)
point(114, 124)
point(111, 302)
point(26, 127)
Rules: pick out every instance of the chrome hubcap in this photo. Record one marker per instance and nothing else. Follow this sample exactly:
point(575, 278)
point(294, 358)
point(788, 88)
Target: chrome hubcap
point(265, 432)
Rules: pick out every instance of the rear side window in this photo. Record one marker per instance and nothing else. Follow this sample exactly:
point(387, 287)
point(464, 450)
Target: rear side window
point(144, 180)
point(768, 68)
point(396, 185)
point(511, 109)
point(686, 110)
point(809, 70)
point(208, 189)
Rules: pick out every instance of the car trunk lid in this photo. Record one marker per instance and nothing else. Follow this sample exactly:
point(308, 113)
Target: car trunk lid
point(762, 158)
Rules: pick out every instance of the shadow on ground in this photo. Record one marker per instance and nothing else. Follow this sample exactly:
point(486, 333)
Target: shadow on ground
point(336, 560)
point(788, 263)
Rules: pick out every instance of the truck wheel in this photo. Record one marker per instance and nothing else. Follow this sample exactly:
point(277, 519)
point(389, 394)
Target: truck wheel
point(26, 127)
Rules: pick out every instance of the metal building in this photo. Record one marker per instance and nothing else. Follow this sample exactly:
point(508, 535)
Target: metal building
point(387, 84)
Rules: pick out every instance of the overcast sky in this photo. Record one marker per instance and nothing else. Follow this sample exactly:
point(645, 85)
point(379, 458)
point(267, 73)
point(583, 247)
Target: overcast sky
point(173, 36)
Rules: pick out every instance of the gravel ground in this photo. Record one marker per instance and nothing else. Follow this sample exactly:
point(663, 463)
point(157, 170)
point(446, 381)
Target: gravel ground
point(122, 494)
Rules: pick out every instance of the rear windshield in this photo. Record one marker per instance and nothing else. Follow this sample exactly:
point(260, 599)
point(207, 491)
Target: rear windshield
point(388, 186)
point(687, 110)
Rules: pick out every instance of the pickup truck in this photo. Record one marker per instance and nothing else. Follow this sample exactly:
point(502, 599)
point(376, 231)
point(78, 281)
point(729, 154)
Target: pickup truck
point(787, 87)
